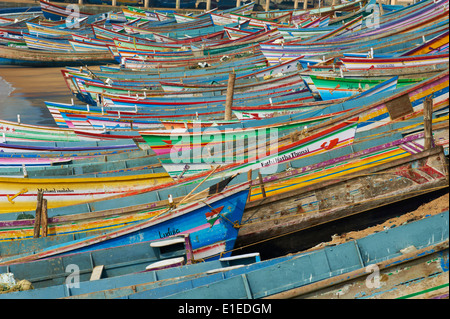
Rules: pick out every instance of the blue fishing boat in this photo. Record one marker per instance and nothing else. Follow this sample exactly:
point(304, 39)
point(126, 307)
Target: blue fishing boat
point(209, 222)
point(141, 280)
point(106, 263)
point(330, 266)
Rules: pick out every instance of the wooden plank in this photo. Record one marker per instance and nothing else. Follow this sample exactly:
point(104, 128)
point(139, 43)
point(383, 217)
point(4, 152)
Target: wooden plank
point(322, 286)
point(427, 122)
point(37, 219)
point(97, 272)
point(399, 107)
point(261, 183)
point(331, 199)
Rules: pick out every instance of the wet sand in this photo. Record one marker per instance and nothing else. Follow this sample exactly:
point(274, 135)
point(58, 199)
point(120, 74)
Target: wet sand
point(23, 91)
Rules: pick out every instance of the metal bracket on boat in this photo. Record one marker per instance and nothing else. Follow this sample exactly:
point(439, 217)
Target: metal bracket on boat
point(10, 198)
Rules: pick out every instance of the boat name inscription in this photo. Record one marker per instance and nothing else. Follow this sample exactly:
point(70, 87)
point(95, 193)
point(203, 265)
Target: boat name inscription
point(170, 232)
point(54, 190)
point(385, 66)
point(285, 157)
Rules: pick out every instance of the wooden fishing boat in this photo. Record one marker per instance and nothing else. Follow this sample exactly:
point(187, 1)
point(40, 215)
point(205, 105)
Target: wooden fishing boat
point(132, 13)
point(184, 165)
point(389, 63)
point(262, 78)
point(15, 131)
point(442, 101)
point(205, 48)
point(20, 194)
point(411, 99)
point(437, 44)
point(25, 57)
point(184, 53)
point(142, 280)
point(206, 221)
point(374, 166)
point(219, 35)
point(40, 43)
point(421, 20)
point(71, 146)
point(345, 7)
point(50, 32)
point(54, 12)
point(37, 161)
point(331, 267)
point(336, 199)
point(330, 88)
point(74, 116)
point(336, 70)
point(83, 46)
point(396, 149)
point(20, 160)
point(140, 80)
point(158, 104)
point(107, 263)
point(384, 44)
point(261, 112)
point(197, 24)
point(243, 9)
point(267, 96)
point(19, 132)
point(140, 161)
point(121, 123)
point(231, 18)
point(335, 271)
point(190, 124)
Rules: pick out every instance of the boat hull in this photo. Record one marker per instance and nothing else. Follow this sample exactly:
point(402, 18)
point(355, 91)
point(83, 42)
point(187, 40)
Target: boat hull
point(68, 191)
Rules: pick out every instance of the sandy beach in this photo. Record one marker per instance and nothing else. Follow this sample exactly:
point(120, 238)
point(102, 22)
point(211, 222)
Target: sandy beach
point(23, 91)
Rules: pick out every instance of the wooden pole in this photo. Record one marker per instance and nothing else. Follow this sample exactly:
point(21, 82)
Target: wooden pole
point(44, 218)
point(37, 219)
point(381, 8)
point(80, 2)
point(177, 5)
point(208, 5)
point(427, 122)
point(238, 3)
point(295, 4)
point(230, 94)
point(185, 198)
point(114, 3)
point(263, 190)
point(249, 178)
point(305, 4)
point(267, 5)
point(145, 3)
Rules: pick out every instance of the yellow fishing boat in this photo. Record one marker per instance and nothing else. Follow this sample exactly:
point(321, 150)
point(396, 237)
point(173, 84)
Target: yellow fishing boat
point(19, 194)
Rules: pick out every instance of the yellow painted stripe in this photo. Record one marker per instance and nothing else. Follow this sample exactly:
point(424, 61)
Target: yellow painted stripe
point(322, 174)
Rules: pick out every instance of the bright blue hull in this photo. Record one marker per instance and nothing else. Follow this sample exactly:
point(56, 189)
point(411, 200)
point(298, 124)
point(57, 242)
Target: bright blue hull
point(202, 233)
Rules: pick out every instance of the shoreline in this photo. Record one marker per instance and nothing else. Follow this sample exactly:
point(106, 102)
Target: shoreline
point(23, 91)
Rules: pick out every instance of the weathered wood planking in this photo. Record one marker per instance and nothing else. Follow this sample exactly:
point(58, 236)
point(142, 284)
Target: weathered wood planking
point(343, 196)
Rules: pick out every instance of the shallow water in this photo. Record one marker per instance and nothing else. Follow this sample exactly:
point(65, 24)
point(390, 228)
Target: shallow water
point(23, 91)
